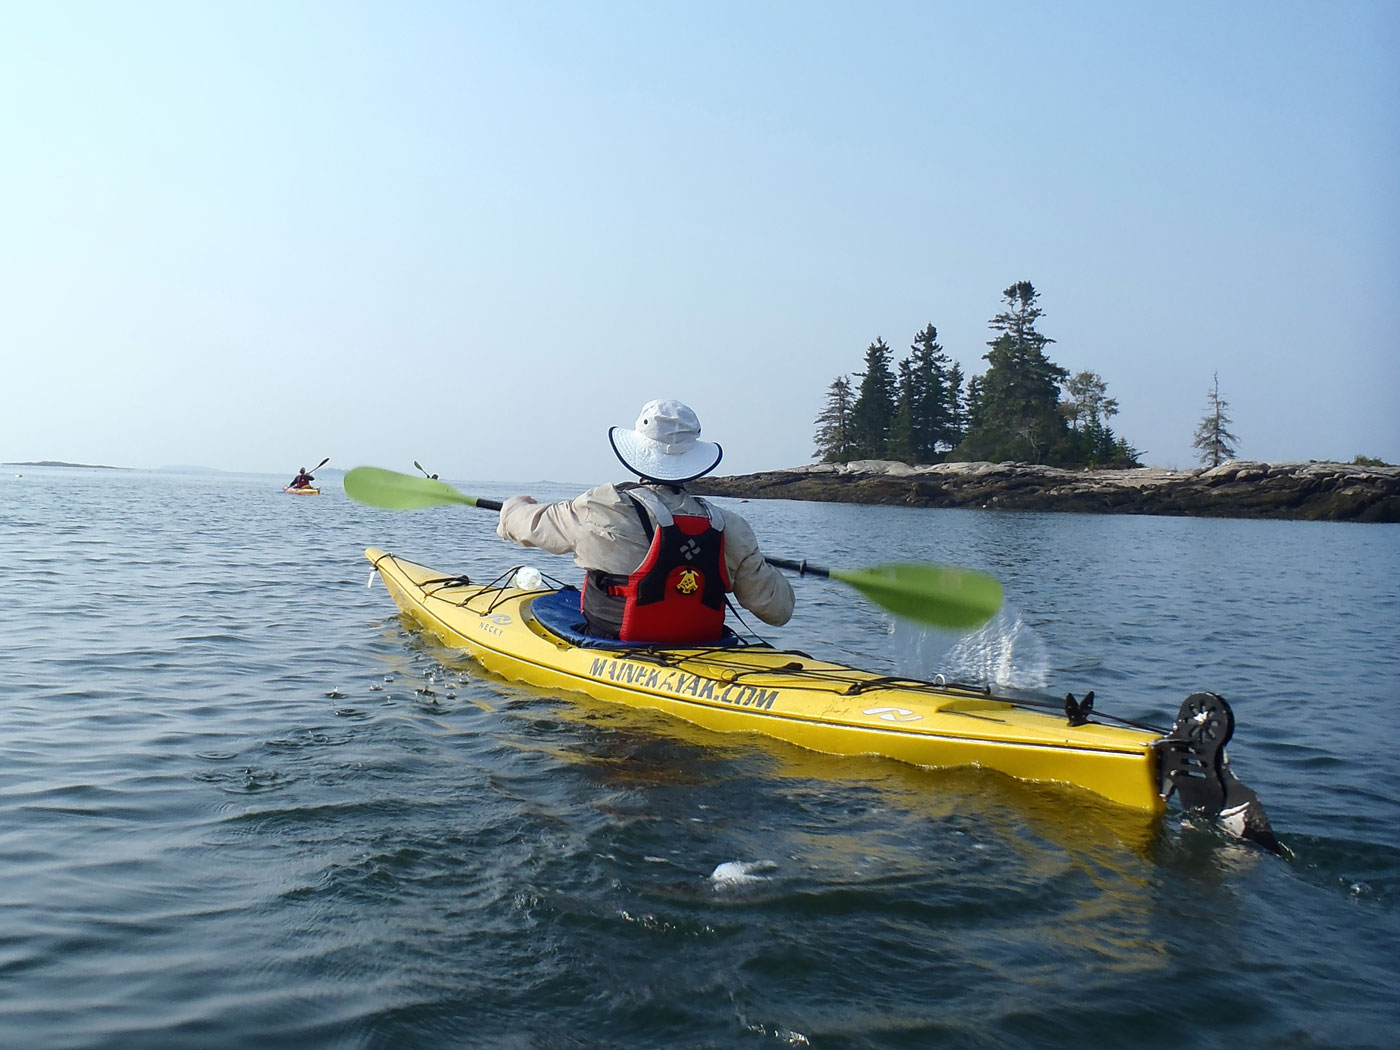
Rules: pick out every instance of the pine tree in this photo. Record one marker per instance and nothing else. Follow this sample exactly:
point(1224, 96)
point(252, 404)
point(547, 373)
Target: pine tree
point(957, 407)
point(873, 412)
point(1088, 409)
point(930, 409)
point(1088, 404)
point(1017, 410)
point(1213, 442)
point(833, 437)
point(904, 429)
point(972, 411)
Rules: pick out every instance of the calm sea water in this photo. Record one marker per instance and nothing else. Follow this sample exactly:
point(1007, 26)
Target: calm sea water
point(241, 804)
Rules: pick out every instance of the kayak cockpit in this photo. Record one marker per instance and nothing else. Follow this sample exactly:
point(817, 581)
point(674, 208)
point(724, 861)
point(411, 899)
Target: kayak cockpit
point(560, 612)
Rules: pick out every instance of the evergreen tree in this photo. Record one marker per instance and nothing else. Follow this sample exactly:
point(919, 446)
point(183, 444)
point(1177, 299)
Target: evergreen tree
point(957, 407)
point(1017, 411)
point(873, 411)
point(1213, 442)
point(1088, 404)
point(932, 404)
point(833, 437)
point(904, 437)
point(1117, 452)
point(972, 414)
point(1087, 410)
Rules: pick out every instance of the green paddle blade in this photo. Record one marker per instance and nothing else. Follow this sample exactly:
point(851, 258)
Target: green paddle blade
point(394, 491)
point(937, 595)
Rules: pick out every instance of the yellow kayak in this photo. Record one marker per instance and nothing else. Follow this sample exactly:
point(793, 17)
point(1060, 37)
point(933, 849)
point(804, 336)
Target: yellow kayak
point(300, 492)
point(527, 636)
point(532, 636)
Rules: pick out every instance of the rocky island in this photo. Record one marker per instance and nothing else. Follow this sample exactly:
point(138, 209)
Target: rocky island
point(59, 463)
point(1235, 489)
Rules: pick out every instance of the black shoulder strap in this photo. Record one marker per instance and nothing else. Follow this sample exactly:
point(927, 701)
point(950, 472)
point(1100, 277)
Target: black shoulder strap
point(642, 513)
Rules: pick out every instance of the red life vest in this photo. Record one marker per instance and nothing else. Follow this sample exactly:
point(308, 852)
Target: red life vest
point(676, 595)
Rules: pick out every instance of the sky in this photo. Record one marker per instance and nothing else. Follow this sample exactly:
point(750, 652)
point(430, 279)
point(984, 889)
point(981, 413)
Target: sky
point(249, 235)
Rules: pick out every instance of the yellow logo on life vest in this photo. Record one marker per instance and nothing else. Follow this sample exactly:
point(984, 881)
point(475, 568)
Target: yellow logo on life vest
point(688, 582)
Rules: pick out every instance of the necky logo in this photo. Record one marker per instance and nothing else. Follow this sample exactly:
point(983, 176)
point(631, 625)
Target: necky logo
point(689, 549)
point(894, 714)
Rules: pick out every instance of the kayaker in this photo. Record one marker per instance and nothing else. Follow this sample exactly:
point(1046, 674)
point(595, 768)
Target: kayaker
point(303, 480)
point(657, 560)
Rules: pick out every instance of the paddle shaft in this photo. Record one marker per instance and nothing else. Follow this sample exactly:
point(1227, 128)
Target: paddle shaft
point(317, 467)
point(802, 568)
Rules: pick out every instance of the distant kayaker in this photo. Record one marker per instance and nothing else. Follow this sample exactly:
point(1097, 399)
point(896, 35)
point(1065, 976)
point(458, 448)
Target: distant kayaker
point(303, 480)
point(657, 560)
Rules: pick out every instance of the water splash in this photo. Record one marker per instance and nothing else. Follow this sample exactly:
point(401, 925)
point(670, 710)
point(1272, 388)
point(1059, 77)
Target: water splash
point(740, 872)
point(1006, 652)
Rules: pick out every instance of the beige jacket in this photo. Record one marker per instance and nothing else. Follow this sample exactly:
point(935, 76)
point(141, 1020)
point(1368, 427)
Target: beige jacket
point(603, 531)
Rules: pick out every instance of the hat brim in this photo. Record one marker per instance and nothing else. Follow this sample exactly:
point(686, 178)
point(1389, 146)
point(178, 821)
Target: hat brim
point(645, 458)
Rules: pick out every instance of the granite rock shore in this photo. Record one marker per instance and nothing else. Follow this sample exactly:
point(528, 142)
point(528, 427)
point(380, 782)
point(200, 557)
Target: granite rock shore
point(1237, 489)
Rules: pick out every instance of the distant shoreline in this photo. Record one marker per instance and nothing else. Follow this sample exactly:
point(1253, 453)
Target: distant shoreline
point(1237, 489)
point(60, 463)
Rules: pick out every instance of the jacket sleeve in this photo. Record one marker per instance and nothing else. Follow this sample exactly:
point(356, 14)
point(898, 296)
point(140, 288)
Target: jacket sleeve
point(552, 527)
point(759, 587)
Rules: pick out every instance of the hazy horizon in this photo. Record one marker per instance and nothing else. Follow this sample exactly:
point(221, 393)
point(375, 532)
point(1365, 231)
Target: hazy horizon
point(479, 236)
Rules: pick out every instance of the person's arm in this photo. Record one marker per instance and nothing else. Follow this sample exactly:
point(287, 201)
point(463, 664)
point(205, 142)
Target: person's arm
point(552, 527)
point(759, 587)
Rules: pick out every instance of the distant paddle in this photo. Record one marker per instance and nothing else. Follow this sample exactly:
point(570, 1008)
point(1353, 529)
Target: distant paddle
point(937, 595)
point(308, 473)
point(425, 473)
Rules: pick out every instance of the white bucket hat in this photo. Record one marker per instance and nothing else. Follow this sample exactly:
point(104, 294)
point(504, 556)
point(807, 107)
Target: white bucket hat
point(665, 444)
